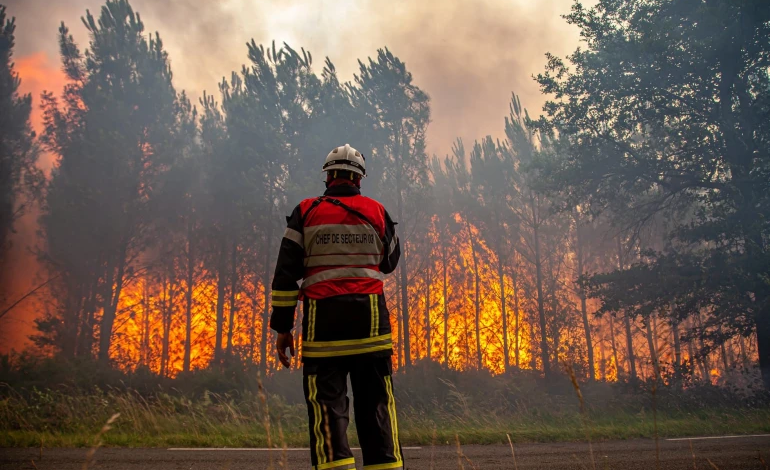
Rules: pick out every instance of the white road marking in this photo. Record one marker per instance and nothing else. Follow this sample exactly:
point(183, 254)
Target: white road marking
point(717, 437)
point(259, 449)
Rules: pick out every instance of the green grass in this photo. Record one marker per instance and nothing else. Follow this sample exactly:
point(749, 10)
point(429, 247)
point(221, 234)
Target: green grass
point(158, 425)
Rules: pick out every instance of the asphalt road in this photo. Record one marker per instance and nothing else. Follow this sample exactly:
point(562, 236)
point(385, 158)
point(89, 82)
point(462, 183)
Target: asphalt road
point(743, 453)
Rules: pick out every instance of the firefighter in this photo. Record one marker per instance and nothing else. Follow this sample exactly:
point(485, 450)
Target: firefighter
point(341, 245)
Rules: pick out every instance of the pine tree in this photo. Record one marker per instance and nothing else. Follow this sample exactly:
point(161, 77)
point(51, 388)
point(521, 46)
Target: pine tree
point(19, 177)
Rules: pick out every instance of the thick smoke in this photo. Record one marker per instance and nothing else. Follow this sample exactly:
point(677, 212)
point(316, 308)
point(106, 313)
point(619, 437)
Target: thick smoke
point(469, 57)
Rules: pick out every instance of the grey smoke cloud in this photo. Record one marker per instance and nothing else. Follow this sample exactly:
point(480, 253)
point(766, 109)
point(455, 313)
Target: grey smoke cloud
point(468, 55)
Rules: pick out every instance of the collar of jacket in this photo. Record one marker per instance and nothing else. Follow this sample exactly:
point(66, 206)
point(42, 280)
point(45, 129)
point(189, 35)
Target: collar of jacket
point(342, 191)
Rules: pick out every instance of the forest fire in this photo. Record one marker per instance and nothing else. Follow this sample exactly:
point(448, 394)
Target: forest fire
point(169, 267)
point(589, 266)
point(150, 327)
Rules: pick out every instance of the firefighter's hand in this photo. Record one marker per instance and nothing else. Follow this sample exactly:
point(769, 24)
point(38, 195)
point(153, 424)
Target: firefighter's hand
point(285, 340)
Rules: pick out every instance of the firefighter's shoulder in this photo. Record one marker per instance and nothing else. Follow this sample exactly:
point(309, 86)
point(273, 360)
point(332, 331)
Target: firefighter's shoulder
point(373, 202)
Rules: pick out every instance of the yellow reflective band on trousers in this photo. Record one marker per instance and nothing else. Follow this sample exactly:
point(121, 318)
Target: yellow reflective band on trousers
point(310, 324)
point(393, 418)
point(312, 396)
point(285, 298)
point(385, 466)
point(373, 304)
point(344, 464)
point(346, 347)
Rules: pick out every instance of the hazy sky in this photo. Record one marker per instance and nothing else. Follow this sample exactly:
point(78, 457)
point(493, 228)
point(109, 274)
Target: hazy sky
point(467, 55)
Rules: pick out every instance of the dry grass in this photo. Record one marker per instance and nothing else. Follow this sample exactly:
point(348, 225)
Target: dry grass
point(59, 418)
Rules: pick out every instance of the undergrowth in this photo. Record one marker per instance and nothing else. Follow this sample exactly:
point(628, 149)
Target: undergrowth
point(223, 408)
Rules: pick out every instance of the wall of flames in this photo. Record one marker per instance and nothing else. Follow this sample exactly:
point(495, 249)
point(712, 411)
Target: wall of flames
point(147, 302)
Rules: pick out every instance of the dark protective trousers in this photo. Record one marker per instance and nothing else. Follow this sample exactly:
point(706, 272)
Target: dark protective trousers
point(326, 385)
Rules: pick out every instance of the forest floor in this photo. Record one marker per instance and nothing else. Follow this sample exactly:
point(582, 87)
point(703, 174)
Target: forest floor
point(181, 430)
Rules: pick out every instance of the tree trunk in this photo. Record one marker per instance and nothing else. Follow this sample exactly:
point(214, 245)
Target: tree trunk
point(544, 354)
point(399, 324)
point(614, 348)
point(653, 352)
point(744, 356)
point(145, 354)
point(583, 309)
point(111, 299)
point(427, 312)
point(188, 299)
point(725, 359)
point(501, 277)
point(630, 348)
point(233, 287)
point(476, 297)
point(555, 324)
point(253, 319)
point(221, 285)
point(405, 310)
point(627, 322)
point(677, 344)
point(691, 349)
point(515, 280)
point(166, 318)
point(404, 254)
point(266, 288)
point(763, 344)
point(602, 361)
point(702, 353)
point(85, 339)
point(446, 309)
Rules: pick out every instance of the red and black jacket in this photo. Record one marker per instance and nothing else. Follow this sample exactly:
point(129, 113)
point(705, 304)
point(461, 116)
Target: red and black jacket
point(341, 245)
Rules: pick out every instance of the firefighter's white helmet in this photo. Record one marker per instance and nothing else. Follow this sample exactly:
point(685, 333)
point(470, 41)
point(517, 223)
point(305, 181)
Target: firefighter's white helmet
point(346, 158)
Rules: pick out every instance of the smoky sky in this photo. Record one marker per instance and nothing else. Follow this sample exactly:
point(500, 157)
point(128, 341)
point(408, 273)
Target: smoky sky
point(467, 55)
